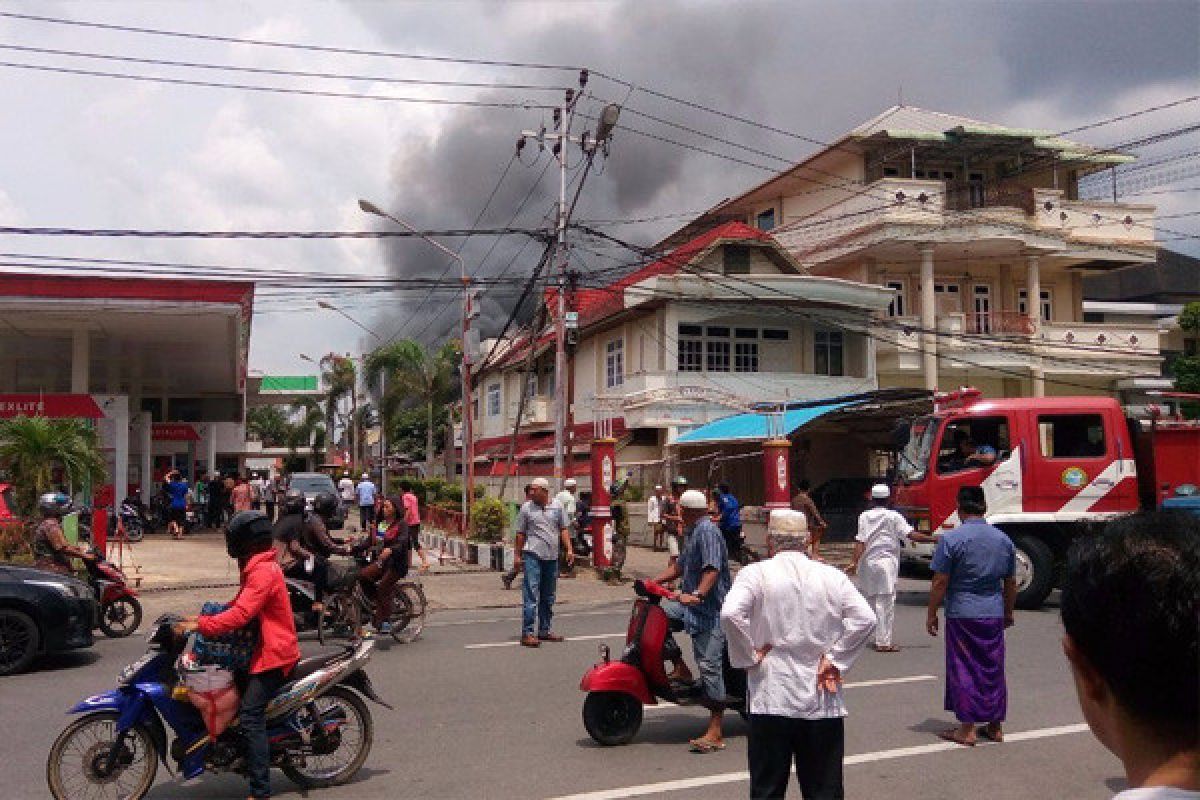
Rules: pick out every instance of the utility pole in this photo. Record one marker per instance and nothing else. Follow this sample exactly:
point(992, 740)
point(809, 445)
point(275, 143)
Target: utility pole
point(561, 136)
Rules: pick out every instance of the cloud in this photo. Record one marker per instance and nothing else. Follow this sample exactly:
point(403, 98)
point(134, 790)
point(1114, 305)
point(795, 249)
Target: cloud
point(105, 152)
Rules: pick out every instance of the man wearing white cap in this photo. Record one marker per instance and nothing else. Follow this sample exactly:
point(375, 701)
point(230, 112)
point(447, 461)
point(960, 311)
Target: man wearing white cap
point(796, 625)
point(881, 532)
point(703, 573)
point(541, 525)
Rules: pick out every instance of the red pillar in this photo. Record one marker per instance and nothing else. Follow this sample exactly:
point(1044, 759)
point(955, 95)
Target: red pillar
point(604, 469)
point(777, 480)
point(100, 530)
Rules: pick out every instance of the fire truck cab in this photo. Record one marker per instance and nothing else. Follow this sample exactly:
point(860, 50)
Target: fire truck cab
point(1050, 467)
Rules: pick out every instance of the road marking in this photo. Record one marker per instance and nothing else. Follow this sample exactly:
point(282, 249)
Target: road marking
point(861, 758)
point(662, 704)
point(483, 645)
point(517, 620)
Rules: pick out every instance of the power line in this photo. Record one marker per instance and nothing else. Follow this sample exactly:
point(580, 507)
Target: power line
point(438, 101)
point(290, 73)
point(535, 233)
point(281, 44)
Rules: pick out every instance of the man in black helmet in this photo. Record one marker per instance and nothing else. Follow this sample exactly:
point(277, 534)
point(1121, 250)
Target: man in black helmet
point(51, 550)
point(263, 597)
point(303, 545)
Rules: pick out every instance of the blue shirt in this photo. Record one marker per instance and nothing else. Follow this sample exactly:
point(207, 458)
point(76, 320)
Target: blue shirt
point(704, 548)
point(978, 558)
point(731, 512)
point(366, 493)
point(178, 490)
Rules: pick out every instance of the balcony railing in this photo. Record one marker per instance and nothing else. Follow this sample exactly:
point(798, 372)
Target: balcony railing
point(999, 322)
point(899, 201)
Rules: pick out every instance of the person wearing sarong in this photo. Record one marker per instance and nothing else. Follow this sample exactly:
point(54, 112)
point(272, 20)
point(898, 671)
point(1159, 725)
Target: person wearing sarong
point(974, 569)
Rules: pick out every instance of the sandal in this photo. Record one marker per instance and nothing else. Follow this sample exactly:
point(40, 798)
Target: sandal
point(951, 735)
point(704, 746)
point(991, 734)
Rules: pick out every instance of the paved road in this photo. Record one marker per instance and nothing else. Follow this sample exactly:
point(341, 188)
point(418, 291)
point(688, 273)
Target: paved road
point(501, 721)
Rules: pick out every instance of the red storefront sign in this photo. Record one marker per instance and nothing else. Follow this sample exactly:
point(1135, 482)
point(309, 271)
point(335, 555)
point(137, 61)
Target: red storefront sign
point(49, 405)
point(174, 432)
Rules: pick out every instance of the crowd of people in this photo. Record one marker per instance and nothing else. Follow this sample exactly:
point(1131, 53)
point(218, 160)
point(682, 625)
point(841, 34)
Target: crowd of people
point(795, 623)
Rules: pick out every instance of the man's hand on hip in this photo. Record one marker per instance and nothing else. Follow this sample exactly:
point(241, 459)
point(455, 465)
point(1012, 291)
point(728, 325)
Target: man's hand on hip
point(829, 677)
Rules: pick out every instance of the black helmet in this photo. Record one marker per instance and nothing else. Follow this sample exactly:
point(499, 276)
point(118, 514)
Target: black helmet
point(245, 530)
point(293, 502)
point(54, 504)
point(325, 504)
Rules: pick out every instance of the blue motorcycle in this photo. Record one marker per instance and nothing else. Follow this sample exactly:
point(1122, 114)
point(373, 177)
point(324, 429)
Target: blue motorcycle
point(319, 727)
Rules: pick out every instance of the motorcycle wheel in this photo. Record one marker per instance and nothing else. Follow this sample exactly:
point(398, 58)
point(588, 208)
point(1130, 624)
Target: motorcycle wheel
point(612, 718)
point(135, 533)
point(353, 745)
point(120, 617)
point(72, 769)
point(408, 619)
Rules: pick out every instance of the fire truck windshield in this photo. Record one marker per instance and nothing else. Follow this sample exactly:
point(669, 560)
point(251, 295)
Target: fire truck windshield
point(914, 458)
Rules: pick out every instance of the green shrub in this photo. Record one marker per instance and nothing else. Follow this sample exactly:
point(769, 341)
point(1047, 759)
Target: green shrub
point(489, 518)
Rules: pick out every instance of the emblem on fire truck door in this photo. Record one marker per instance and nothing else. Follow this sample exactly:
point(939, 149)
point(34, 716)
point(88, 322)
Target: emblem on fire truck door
point(1074, 477)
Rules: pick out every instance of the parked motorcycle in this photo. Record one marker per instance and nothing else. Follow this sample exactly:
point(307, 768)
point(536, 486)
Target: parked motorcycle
point(617, 690)
point(131, 519)
point(120, 611)
point(319, 727)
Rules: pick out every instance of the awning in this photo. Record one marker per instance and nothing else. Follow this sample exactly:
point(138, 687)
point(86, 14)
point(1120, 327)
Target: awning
point(753, 427)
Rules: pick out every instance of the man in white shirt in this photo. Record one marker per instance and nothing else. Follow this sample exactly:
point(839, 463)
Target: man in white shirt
point(346, 488)
point(1129, 609)
point(881, 532)
point(795, 625)
point(566, 499)
point(654, 517)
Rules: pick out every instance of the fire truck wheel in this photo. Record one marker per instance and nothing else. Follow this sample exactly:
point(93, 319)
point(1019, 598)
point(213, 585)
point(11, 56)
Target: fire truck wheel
point(1035, 572)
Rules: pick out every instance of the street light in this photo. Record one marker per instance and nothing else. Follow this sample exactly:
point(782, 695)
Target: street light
point(468, 456)
point(382, 390)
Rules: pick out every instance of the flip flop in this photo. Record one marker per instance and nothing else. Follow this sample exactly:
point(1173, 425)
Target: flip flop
point(986, 733)
point(951, 735)
point(705, 746)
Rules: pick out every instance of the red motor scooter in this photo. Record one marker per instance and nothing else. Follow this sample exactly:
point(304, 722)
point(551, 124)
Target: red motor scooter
point(617, 690)
point(120, 611)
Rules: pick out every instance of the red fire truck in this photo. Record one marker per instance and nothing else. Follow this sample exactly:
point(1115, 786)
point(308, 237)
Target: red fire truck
point(1049, 466)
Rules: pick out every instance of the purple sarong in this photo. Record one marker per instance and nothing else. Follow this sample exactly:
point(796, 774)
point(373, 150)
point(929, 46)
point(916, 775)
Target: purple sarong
point(975, 687)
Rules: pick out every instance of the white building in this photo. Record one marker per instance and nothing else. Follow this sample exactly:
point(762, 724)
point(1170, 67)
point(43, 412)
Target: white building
point(965, 221)
point(727, 320)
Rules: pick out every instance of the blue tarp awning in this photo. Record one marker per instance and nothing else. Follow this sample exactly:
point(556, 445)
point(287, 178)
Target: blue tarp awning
point(753, 427)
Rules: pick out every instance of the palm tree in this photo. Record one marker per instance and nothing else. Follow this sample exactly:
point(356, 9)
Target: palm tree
point(339, 376)
point(31, 448)
point(268, 423)
point(415, 376)
point(308, 430)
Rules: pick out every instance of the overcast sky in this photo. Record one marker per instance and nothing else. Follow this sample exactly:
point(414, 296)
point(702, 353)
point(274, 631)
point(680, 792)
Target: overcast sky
point(105, 153)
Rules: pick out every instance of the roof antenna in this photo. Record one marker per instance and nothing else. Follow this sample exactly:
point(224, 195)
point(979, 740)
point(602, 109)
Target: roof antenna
point(900, 95)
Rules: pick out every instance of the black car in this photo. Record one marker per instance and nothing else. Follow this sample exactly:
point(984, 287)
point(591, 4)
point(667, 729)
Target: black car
point(41, 612)
point(840, 501)
point(312, 484)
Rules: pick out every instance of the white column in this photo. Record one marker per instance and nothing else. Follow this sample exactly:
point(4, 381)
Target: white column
point(928, 319)
point(80, 363)
point(1033, 294)
point(120, 417)
point(146, 446)
point(210, 448)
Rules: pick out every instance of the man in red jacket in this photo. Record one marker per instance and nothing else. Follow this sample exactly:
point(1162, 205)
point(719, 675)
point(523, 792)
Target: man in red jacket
point(263, 596)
